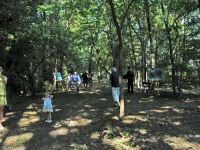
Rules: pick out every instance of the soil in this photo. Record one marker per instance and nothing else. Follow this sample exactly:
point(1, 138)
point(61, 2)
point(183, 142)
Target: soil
point(88, 121)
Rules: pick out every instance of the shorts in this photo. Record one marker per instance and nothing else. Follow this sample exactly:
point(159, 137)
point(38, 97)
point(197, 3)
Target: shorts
point(115, 93)
point(3, 101)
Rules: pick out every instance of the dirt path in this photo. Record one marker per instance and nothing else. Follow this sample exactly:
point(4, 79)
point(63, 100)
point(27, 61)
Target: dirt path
point(88, 121)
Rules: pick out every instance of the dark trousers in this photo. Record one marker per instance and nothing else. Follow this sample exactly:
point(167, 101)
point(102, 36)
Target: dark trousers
point(130, 86)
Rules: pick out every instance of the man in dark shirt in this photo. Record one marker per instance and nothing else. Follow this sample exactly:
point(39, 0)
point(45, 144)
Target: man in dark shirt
point(130, 78)
point(114, 79)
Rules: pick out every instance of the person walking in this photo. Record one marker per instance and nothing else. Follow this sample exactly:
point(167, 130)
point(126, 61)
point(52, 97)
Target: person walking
point(76, 80)
point(114, 80)
point(130, 78)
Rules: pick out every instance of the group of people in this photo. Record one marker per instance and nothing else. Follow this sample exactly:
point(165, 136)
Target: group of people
point(75, 80)
point(114, 80)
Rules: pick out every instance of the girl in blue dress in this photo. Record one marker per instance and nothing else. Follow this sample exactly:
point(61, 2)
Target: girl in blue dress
point(47, 106)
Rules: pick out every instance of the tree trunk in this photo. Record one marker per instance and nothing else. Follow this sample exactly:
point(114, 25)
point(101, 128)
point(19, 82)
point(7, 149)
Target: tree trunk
point(168, 31)
point(152, 56)
point(117, 58)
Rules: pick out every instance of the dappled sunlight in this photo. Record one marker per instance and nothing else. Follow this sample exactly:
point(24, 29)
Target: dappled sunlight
point(189, 101)
point(78, 121)
point(159, 110)
point(9, 114)
point(56, 110)
point(142, 112)
point(79, 146)
point(32, 106)
point(73, 130)
point(178, 110)
point(176, 123)
point(88, 106)
point(93, 110)
point(146, 100)
point(28, 118)
point(98, 91)
point(59, 132)
point(16, 140)
point(180, 143)
point(103, 99)
point(95, 136)
point(134, 119)
point(128, 101)
point(85, 114)
point(142, 131)
point(166, 107)
point(107, 113)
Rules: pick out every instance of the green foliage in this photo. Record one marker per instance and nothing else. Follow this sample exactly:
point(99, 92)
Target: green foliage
point(38, 36)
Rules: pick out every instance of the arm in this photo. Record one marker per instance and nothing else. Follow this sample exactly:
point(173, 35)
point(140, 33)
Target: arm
point(3, 79)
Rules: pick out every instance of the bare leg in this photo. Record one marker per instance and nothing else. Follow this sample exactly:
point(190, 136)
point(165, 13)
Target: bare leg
point(1, 117)
point(50, 118)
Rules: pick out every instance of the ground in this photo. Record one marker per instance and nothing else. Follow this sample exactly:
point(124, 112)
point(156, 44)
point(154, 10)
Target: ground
point(88, 121)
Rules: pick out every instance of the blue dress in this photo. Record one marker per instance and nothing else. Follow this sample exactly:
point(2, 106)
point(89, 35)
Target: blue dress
point(47, 106)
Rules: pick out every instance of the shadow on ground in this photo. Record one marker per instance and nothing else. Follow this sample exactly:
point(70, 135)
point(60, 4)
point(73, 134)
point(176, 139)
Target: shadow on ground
point(88, 121)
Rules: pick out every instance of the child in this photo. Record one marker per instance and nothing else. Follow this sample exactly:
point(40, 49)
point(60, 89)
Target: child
point(47, 106)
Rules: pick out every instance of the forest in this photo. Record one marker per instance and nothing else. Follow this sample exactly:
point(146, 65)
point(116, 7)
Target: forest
point(37, 36)
point(158, 39)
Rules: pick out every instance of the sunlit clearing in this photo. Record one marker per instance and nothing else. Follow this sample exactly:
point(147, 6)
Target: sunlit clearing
point(103, 99)
point(19, 139)
point(58, 132)
point(142, 131)
point(159, 110)
point(29, 118)
point(95, 136)
point(78, 121)
point(180, 143)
